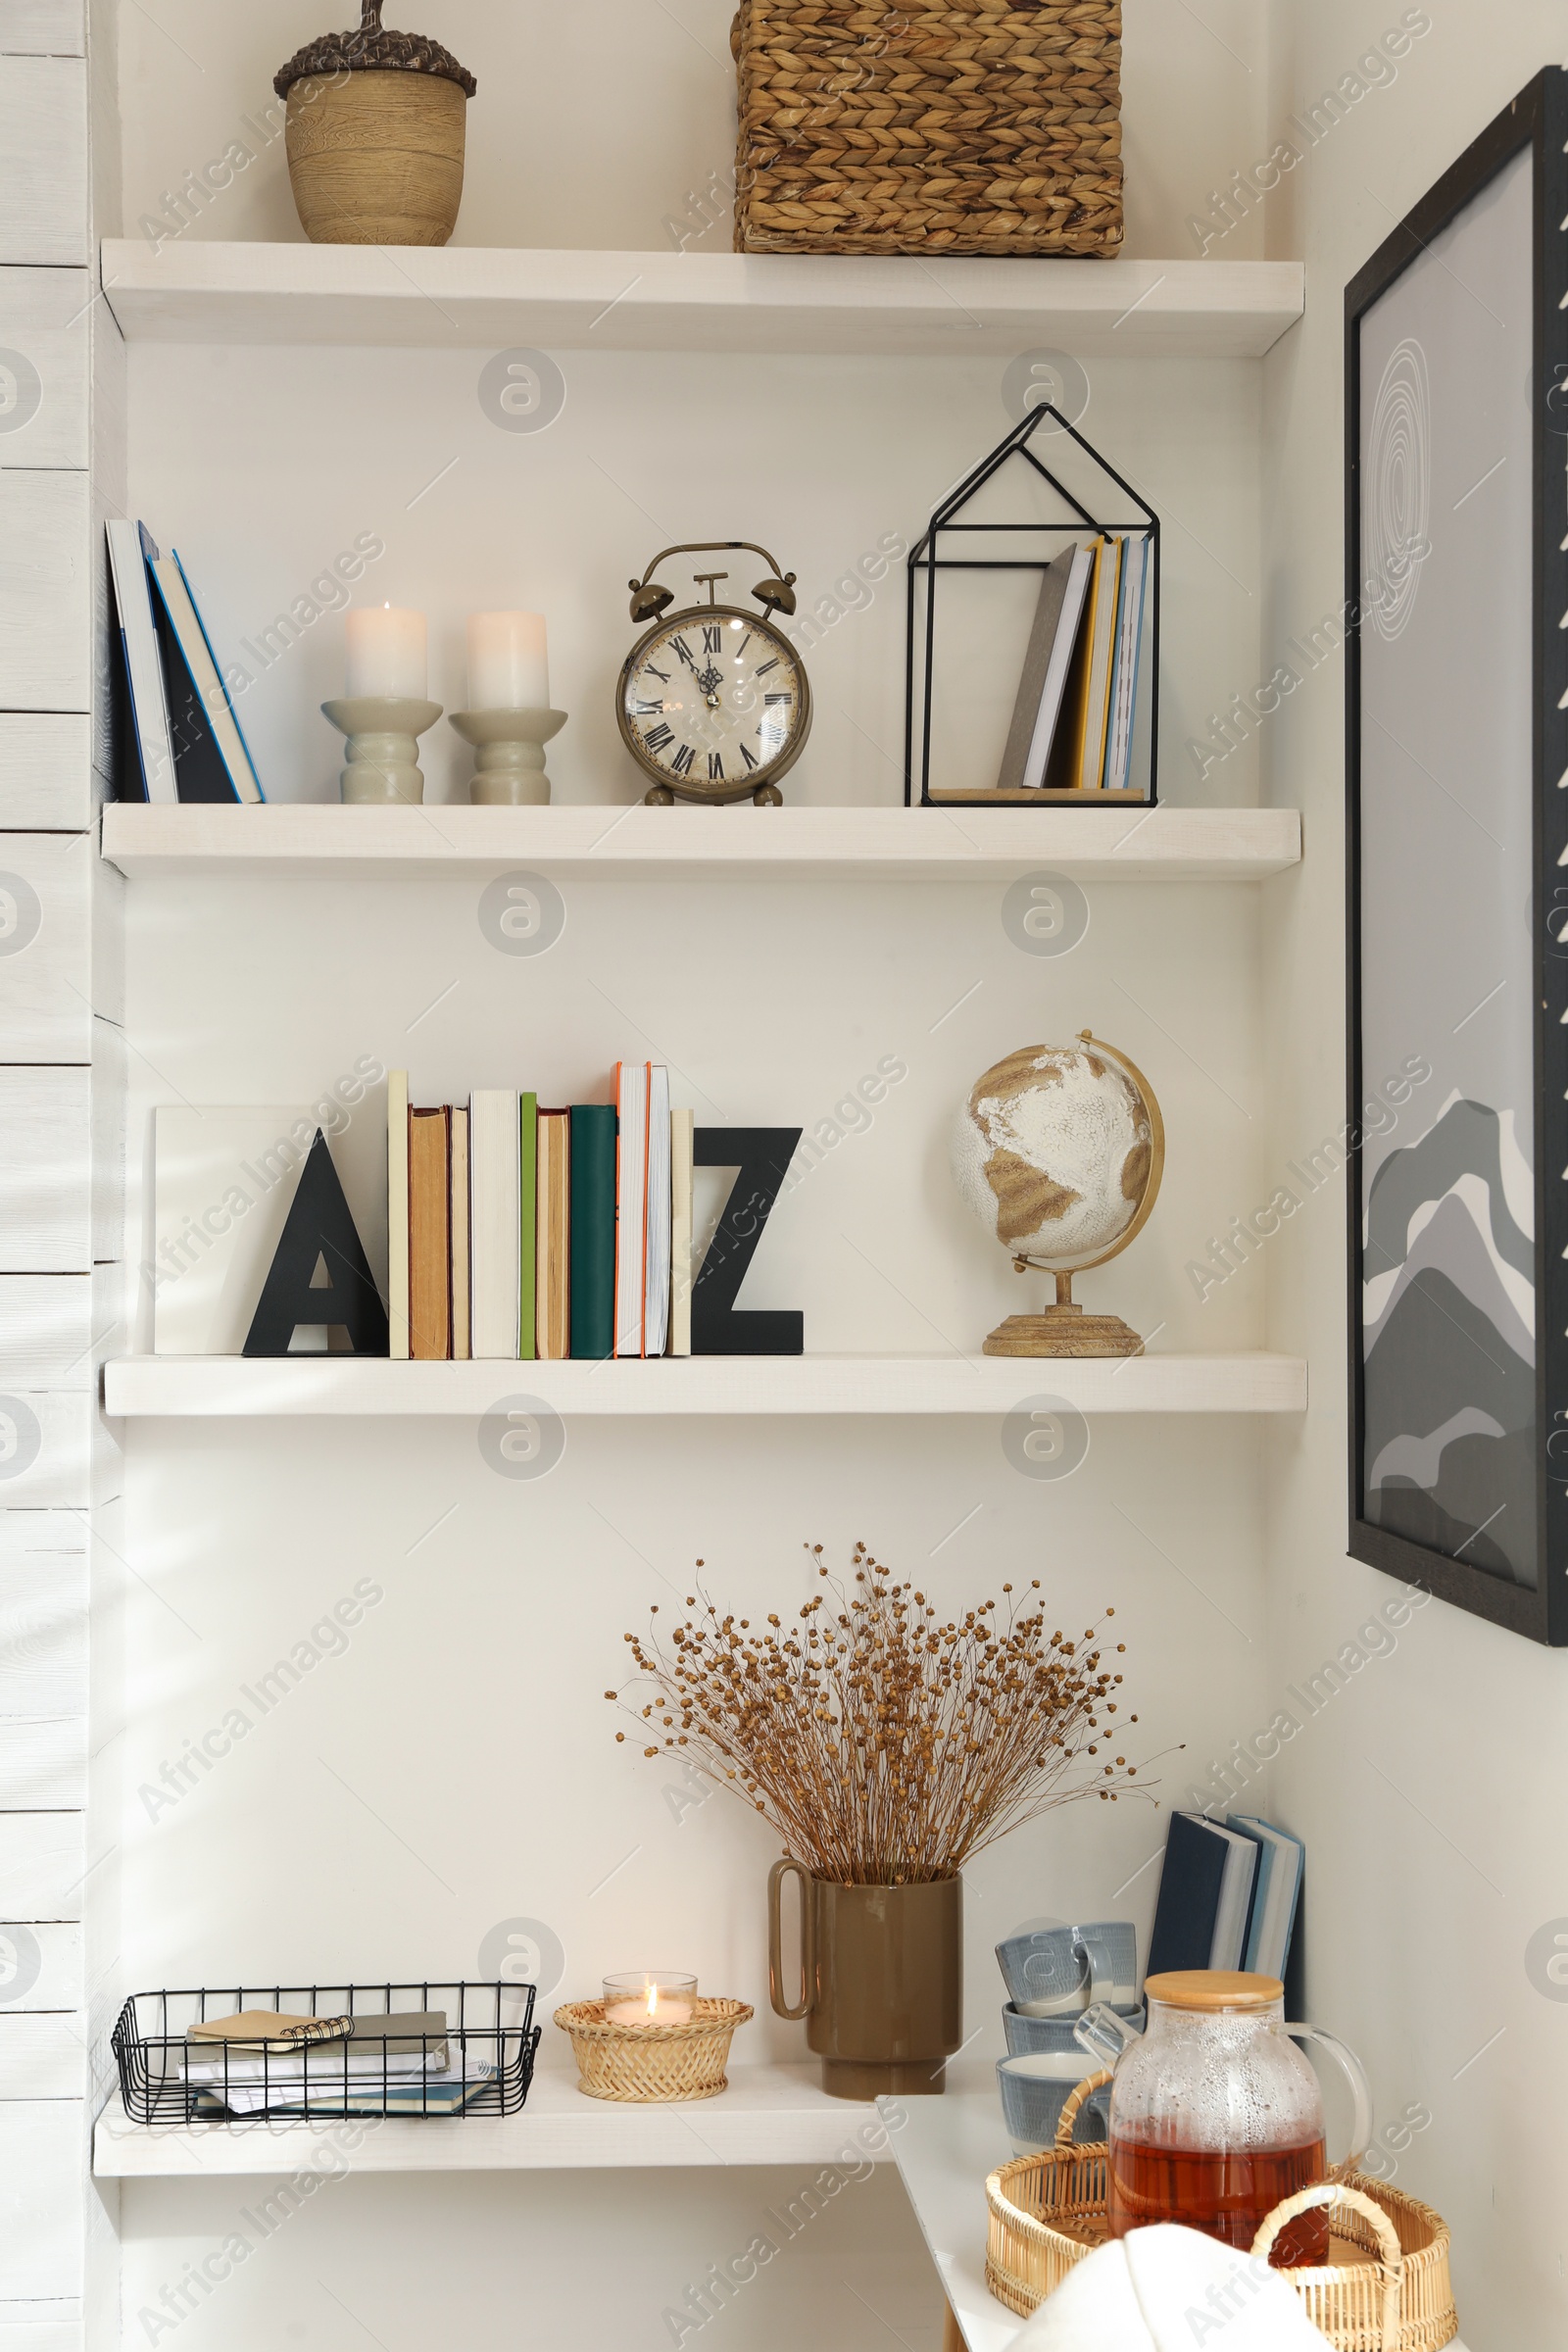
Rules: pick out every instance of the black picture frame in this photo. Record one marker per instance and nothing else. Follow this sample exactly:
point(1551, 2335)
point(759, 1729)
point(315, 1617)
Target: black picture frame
point(1537, 123)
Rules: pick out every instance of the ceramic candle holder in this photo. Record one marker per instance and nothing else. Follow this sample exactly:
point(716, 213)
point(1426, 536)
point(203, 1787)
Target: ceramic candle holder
point(510, 766)
point(383, 755)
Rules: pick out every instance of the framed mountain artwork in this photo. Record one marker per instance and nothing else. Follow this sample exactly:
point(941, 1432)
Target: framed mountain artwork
point(1457, 692)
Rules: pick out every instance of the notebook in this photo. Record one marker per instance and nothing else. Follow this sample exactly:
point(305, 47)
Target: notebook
point(1036, 668)
point(462, 1266)
point(144, 671)
point(682, 1132)
point(631, 1206)
point(430, 1235)
point(1205, 1890)
point(1055, 690)
point(1096, 708)
point(1281, 1861)
point(397, 1210)
point(553, 1238)
point(495, 1228)
point(527, 1221)
point(655, 1317)
point(212, 760)
point(593, 1229)
point(1129, 659)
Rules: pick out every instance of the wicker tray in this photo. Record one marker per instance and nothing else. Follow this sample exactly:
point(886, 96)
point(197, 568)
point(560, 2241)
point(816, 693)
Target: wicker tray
point(645, 2064)
point(984, 127)
point(1386, 2287)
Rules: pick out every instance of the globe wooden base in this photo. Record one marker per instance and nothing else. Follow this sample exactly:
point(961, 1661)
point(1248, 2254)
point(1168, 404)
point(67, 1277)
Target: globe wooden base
point(1063, 1331)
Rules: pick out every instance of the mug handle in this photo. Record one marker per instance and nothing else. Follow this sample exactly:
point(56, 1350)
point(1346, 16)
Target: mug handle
point(775, 1958)
point(1361, 2091)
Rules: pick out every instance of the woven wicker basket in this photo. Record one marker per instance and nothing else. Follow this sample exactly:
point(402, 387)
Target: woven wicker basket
point(981, 127)
point(1385, 2289)
point(644, 2065)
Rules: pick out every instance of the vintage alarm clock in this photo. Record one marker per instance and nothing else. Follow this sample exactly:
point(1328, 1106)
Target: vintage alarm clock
point(712, 702)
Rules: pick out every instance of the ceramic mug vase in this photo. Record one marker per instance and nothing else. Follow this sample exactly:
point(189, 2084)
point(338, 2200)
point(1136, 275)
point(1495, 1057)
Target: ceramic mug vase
point(881, 1980)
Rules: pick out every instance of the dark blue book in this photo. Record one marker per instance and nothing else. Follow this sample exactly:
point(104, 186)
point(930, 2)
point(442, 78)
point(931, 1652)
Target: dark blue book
point(1205, 1892)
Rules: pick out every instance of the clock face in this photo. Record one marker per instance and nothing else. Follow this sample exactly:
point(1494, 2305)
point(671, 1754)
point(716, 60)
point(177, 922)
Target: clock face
point(713, 703)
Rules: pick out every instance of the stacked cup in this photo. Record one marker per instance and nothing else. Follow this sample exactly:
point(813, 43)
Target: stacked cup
point(1052, 1972)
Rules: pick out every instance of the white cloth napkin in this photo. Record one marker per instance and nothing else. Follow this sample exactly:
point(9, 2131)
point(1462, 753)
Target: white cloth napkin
point(1166, 2290)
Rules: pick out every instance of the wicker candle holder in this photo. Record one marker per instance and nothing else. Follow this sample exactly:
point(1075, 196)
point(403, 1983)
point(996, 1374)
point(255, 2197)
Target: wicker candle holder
point(648, 2066)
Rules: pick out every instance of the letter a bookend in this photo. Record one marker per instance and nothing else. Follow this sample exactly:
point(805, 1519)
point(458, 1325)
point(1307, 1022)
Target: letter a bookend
point(319, 1231)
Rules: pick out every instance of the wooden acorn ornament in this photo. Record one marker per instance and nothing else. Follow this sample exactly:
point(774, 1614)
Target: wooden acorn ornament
point(376, 134)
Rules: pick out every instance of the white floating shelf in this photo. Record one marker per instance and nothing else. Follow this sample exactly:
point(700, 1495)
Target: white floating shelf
point(1100, 844)
point(370, 1387)
point(490, 298)
point(768, 2115)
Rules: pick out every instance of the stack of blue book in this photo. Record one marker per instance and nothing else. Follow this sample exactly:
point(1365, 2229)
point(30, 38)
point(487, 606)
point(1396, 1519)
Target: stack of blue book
point(185, 742)
point(1229, 1894)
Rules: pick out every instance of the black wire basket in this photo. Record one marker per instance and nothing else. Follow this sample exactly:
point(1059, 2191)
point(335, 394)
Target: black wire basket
point(455, 2050)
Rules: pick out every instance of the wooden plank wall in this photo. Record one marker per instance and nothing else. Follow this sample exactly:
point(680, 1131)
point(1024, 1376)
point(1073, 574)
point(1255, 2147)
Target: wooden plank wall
point(62, 470)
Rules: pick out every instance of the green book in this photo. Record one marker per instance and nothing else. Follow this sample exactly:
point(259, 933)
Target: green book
point(593, 1229)
point(527, 1217)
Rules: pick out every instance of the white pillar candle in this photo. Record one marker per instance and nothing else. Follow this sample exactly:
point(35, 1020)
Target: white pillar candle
point(508, 664)
point(386, 654)
point(655, 2009)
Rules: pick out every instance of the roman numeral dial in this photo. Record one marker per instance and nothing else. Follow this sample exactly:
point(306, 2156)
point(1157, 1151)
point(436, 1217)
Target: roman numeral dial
point(713, 703)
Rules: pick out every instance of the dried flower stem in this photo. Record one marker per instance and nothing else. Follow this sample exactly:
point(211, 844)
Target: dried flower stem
point(885, 1744)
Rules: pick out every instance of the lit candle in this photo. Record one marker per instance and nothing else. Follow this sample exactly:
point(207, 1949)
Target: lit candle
point(508, 664)
point(652, 1998)
point(386, 654)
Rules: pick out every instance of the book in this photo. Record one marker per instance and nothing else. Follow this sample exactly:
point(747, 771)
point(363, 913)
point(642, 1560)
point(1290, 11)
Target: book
point(1129, 661)
point(527, 1214)
point(495, 1230)
point(631, 1206)
point(1037, 662)
point(682, 1130)
point(1062, 752)
point(211, 761)
point(1281, 1861)
point(593, 1229)
point(144, 670)
point(1096, 708)
point(269, 2045)
point(397, 1212)
point(1054, 691)
point(430, 1235)
point(431, 2093)
point(458, 1227)
point(553, 1249)
point(655, 1319)
point(278, 2030)
point(1205, 1888)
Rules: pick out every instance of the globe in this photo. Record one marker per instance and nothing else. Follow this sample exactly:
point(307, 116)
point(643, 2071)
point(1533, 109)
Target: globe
point(1058, 1151)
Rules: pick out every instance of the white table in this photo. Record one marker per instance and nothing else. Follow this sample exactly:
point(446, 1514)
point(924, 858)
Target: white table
point(943, 2150)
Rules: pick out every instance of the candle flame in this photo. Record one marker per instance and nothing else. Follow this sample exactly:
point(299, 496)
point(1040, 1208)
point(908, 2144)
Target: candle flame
point(653, 2002)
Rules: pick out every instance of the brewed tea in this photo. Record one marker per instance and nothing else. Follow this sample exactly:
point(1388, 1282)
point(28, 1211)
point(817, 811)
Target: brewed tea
point(1228, 2196)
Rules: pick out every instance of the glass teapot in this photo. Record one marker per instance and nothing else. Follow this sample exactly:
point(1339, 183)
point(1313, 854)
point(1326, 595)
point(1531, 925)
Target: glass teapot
point(1215, 2116)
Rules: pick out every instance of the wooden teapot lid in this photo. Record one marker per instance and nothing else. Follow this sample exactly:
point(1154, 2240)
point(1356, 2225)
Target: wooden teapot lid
point(1213, 1988)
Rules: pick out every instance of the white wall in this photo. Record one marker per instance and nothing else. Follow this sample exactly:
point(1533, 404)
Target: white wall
point(457, 1766)
point(598, 125)
point(1426, 1790)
